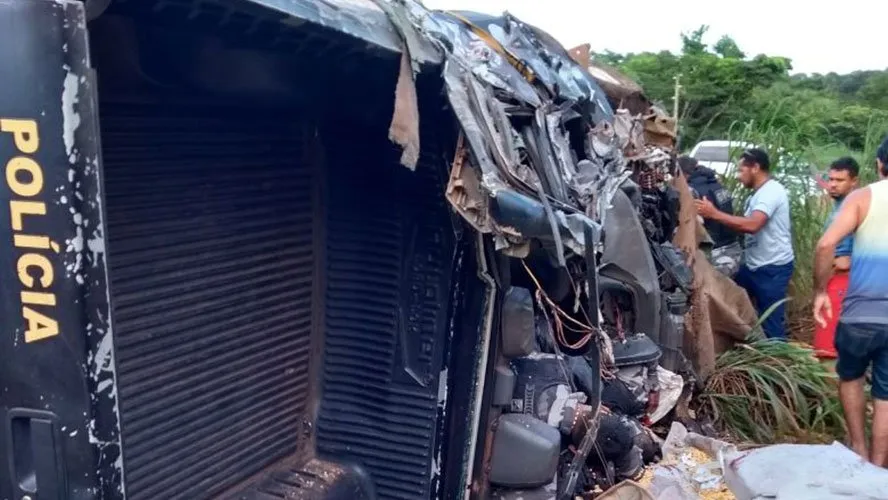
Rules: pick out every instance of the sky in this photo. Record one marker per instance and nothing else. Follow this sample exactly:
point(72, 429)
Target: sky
point(819, 38)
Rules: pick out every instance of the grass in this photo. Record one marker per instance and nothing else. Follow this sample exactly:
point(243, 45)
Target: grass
point(767, 392)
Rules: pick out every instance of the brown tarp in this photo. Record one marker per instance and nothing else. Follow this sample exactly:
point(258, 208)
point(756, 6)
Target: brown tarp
point(721, 313)
point(659, 128)
point(621, 91)
point(624, 94)
point(404, 129)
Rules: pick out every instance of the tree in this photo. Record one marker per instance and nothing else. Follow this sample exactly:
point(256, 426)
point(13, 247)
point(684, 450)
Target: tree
point(692, 43)
point(727, 47)
point(874, 90)
point(715, 84)
point(609, 58)
point(721, 86)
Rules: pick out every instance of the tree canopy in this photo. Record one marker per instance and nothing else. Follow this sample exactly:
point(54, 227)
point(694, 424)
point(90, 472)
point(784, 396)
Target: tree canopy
point(721, 86)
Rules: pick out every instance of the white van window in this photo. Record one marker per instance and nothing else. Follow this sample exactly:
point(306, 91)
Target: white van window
point(713, 153)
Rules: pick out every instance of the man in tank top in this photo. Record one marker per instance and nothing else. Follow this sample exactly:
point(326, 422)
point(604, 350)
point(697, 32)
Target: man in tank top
point(862, 332)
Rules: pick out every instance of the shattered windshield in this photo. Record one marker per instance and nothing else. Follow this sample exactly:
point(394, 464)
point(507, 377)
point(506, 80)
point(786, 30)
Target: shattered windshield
point(713, 153)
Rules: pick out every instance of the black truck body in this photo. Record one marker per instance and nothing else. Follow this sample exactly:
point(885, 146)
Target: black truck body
point(218, 281)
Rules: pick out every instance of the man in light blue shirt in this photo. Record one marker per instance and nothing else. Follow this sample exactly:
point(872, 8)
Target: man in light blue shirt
point(842, 181)
point(768, 259)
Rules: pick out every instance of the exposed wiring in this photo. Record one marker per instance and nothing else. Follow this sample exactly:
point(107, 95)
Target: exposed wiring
point(561, 364)
point(559, 317)
point(577, 295)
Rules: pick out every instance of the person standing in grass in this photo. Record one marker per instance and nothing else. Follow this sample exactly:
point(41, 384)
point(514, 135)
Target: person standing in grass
point(842, 180)
point(768, 259)
point(862, 331)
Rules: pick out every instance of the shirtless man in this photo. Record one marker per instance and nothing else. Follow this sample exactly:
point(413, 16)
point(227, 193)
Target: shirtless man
point(862, 332)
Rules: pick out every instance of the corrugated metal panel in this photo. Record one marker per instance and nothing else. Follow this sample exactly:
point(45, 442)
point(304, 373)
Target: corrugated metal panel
point(210, 215)
point(389, 252)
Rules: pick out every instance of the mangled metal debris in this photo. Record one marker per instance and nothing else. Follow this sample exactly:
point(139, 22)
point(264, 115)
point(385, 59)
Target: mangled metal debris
point(556, 176)
point(521, 102)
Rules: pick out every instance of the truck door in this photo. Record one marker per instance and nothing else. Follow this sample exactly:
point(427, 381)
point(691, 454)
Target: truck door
point(58, 399)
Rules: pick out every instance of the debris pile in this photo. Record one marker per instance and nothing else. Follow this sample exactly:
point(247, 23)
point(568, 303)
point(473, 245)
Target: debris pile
point(697, 467)
point(690, 468)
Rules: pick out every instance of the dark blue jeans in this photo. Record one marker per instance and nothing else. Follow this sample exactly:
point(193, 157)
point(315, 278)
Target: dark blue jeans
point(766, 285)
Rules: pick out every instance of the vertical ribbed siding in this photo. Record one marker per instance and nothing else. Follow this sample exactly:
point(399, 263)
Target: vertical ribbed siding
point(389, 251)
point(210, 215)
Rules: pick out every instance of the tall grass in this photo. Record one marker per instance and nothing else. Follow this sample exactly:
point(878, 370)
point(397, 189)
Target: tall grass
point(767, 391)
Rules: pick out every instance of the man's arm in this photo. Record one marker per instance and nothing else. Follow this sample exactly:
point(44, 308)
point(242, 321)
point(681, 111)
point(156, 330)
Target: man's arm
point(845, 223)
point(768, 202)
point(749, 225)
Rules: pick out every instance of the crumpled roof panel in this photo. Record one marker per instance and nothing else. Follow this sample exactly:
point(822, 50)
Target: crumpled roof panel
point(549, 60)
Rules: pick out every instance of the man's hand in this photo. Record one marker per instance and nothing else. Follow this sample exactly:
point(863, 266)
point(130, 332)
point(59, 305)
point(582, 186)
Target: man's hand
point(705, 208)
point(822, 309)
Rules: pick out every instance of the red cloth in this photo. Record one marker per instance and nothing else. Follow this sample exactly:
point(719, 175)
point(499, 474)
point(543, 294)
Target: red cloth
point(825, 336)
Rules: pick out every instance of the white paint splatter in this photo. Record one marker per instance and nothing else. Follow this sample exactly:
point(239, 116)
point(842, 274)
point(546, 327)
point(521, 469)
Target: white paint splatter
point(75, 246)
point(104, 359)
point(442, 388)
point(97, 245)
point(91, 429)
point(70, 117)
point(104, 385)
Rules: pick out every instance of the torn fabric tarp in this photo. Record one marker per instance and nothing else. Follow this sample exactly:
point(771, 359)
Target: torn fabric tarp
point(404, 129)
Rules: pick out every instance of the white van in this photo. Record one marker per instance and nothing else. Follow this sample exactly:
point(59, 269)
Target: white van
point(792, 172)
point(718, 155)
